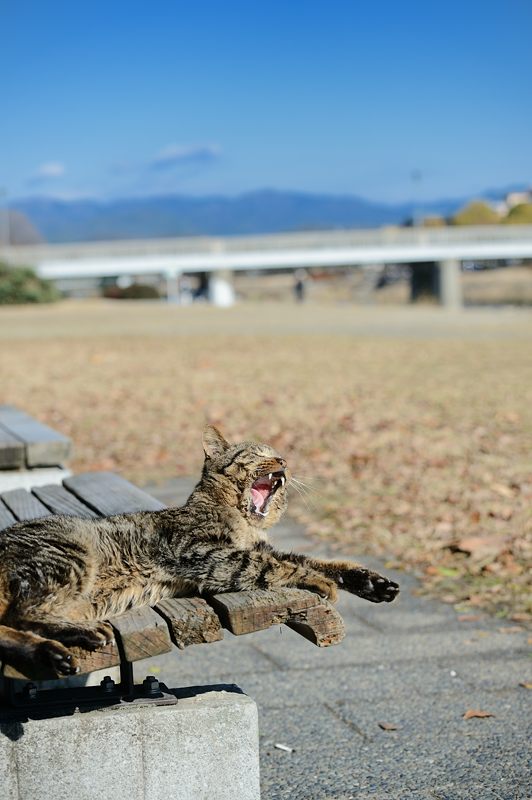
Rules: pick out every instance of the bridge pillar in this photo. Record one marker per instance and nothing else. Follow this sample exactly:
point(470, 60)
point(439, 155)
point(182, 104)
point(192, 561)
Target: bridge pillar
point(450, 287)
point(221, 289)
point(172, 286)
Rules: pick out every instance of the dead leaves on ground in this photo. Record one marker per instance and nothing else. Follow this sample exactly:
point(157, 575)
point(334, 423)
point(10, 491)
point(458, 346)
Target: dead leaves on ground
point(417, 453)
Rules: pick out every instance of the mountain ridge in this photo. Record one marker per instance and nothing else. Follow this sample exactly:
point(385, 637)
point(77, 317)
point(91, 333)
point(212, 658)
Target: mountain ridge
point(261, 211)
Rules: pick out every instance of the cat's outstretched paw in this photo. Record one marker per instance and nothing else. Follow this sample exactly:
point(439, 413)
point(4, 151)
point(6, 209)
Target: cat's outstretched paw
point(55, 655)
point(369, 585)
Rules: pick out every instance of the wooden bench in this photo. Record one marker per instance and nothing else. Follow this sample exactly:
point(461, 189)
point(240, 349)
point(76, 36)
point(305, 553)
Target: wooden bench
point(178, 622)
point(31, 453)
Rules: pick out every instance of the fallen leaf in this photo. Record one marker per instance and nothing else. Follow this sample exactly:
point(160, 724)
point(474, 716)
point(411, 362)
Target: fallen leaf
point(520, 617)
point(504, 491)
point(482, 546)
point(471, 714)
point(388, 726)
point(447, 572)
point(526, 684)
point(469, 617)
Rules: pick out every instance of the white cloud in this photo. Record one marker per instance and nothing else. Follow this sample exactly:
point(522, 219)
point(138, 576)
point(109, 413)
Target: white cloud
point(176, 154)
point(49, 170)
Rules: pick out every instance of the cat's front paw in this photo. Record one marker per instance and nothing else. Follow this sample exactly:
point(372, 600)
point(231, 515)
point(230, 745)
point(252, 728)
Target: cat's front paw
point(320, 585)
point(369, 585)
point(89, 635)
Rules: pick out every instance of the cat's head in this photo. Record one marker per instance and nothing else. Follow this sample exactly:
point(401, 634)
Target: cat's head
point(249, 476)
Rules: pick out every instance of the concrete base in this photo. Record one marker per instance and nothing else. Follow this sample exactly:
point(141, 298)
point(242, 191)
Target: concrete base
point(203, 748)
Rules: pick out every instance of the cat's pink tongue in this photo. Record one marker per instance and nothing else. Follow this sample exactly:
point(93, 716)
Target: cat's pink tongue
point(259, 495)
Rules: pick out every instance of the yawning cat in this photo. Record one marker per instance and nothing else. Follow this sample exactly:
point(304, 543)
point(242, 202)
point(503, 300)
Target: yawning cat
point(61, 577)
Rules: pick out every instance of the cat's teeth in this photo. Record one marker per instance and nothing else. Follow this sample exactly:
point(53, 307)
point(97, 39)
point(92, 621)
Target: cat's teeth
point(283, 479)
point(270, 476)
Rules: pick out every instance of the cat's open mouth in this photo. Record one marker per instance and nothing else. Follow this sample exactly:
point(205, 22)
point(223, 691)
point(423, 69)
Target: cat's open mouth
point(263, 490)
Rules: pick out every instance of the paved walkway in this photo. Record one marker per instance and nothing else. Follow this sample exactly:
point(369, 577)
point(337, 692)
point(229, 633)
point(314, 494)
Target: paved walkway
point(412, 664)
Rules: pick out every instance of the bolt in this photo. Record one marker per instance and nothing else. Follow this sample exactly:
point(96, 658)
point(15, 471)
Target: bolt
point(30, 691)
point(107, 684)
point(151, 686)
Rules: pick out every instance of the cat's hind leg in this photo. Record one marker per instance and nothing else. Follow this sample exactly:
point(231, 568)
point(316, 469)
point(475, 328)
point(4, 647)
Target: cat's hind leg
point(27, 652)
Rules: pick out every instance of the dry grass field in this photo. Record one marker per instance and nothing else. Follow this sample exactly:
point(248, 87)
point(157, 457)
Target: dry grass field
point(411, 427)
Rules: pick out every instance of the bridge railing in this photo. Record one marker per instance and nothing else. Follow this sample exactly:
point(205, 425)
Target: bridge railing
point(305, 240)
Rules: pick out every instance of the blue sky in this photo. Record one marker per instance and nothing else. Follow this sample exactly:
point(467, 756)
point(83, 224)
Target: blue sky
point(124, 99)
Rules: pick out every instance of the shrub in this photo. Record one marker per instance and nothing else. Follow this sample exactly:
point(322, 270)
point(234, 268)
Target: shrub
point(137, 291)
point(23, 285)
point(519, 215)
point(476, 213)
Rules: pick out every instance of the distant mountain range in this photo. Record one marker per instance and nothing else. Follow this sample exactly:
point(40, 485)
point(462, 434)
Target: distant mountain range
point(266, 211)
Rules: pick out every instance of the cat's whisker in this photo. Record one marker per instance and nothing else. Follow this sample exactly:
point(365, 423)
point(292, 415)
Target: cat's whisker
point(311, 486)
point(308, 489)
point(309, 502)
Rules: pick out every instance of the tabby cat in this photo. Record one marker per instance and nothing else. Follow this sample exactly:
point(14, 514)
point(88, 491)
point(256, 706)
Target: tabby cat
point(61, 577)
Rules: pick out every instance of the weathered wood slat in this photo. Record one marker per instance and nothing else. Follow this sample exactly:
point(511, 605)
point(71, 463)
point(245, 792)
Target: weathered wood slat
point(143, 633)
point(244, 612)
point(303, 611)
point(60, 501)
point(6, 517)
point(91, 660)
point(321, 625)
point(12, 455)
point(24, 505)
point(43, 446)
point(108, 493)
point(190, 620)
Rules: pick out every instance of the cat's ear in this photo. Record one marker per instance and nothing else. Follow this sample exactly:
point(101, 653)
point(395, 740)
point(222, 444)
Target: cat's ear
point(214, 443)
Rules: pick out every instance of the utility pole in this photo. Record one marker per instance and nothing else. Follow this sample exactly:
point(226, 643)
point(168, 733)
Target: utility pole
point(417, 218)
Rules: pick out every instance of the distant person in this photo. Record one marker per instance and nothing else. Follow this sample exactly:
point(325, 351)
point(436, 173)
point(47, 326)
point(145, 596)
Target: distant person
point(300, 285)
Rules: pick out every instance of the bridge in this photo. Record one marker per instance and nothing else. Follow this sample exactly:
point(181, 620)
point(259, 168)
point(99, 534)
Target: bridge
point(218, 257)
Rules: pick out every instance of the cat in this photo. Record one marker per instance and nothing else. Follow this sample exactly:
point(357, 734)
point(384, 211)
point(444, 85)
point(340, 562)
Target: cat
point(61, 577)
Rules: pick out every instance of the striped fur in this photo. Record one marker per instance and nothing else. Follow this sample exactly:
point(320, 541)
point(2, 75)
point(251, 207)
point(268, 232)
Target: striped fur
point(61, 577)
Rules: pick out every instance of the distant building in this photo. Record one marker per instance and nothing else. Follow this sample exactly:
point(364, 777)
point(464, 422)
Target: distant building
point(511, 200)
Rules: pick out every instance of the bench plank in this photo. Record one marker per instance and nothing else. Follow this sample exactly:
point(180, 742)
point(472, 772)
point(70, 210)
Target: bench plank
point(190, 620)
point(12, 455)
point(303, 611)
point(43, 446)
point(24, 505)
point(143, 633)
point(108, 493)
point(6, 517)
point(60, 501)
point(322, 625)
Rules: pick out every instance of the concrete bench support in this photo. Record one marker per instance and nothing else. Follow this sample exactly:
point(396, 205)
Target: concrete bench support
point(203, 748)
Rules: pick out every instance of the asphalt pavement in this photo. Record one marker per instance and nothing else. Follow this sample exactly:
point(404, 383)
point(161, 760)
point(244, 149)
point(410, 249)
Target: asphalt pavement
point(380, 715)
